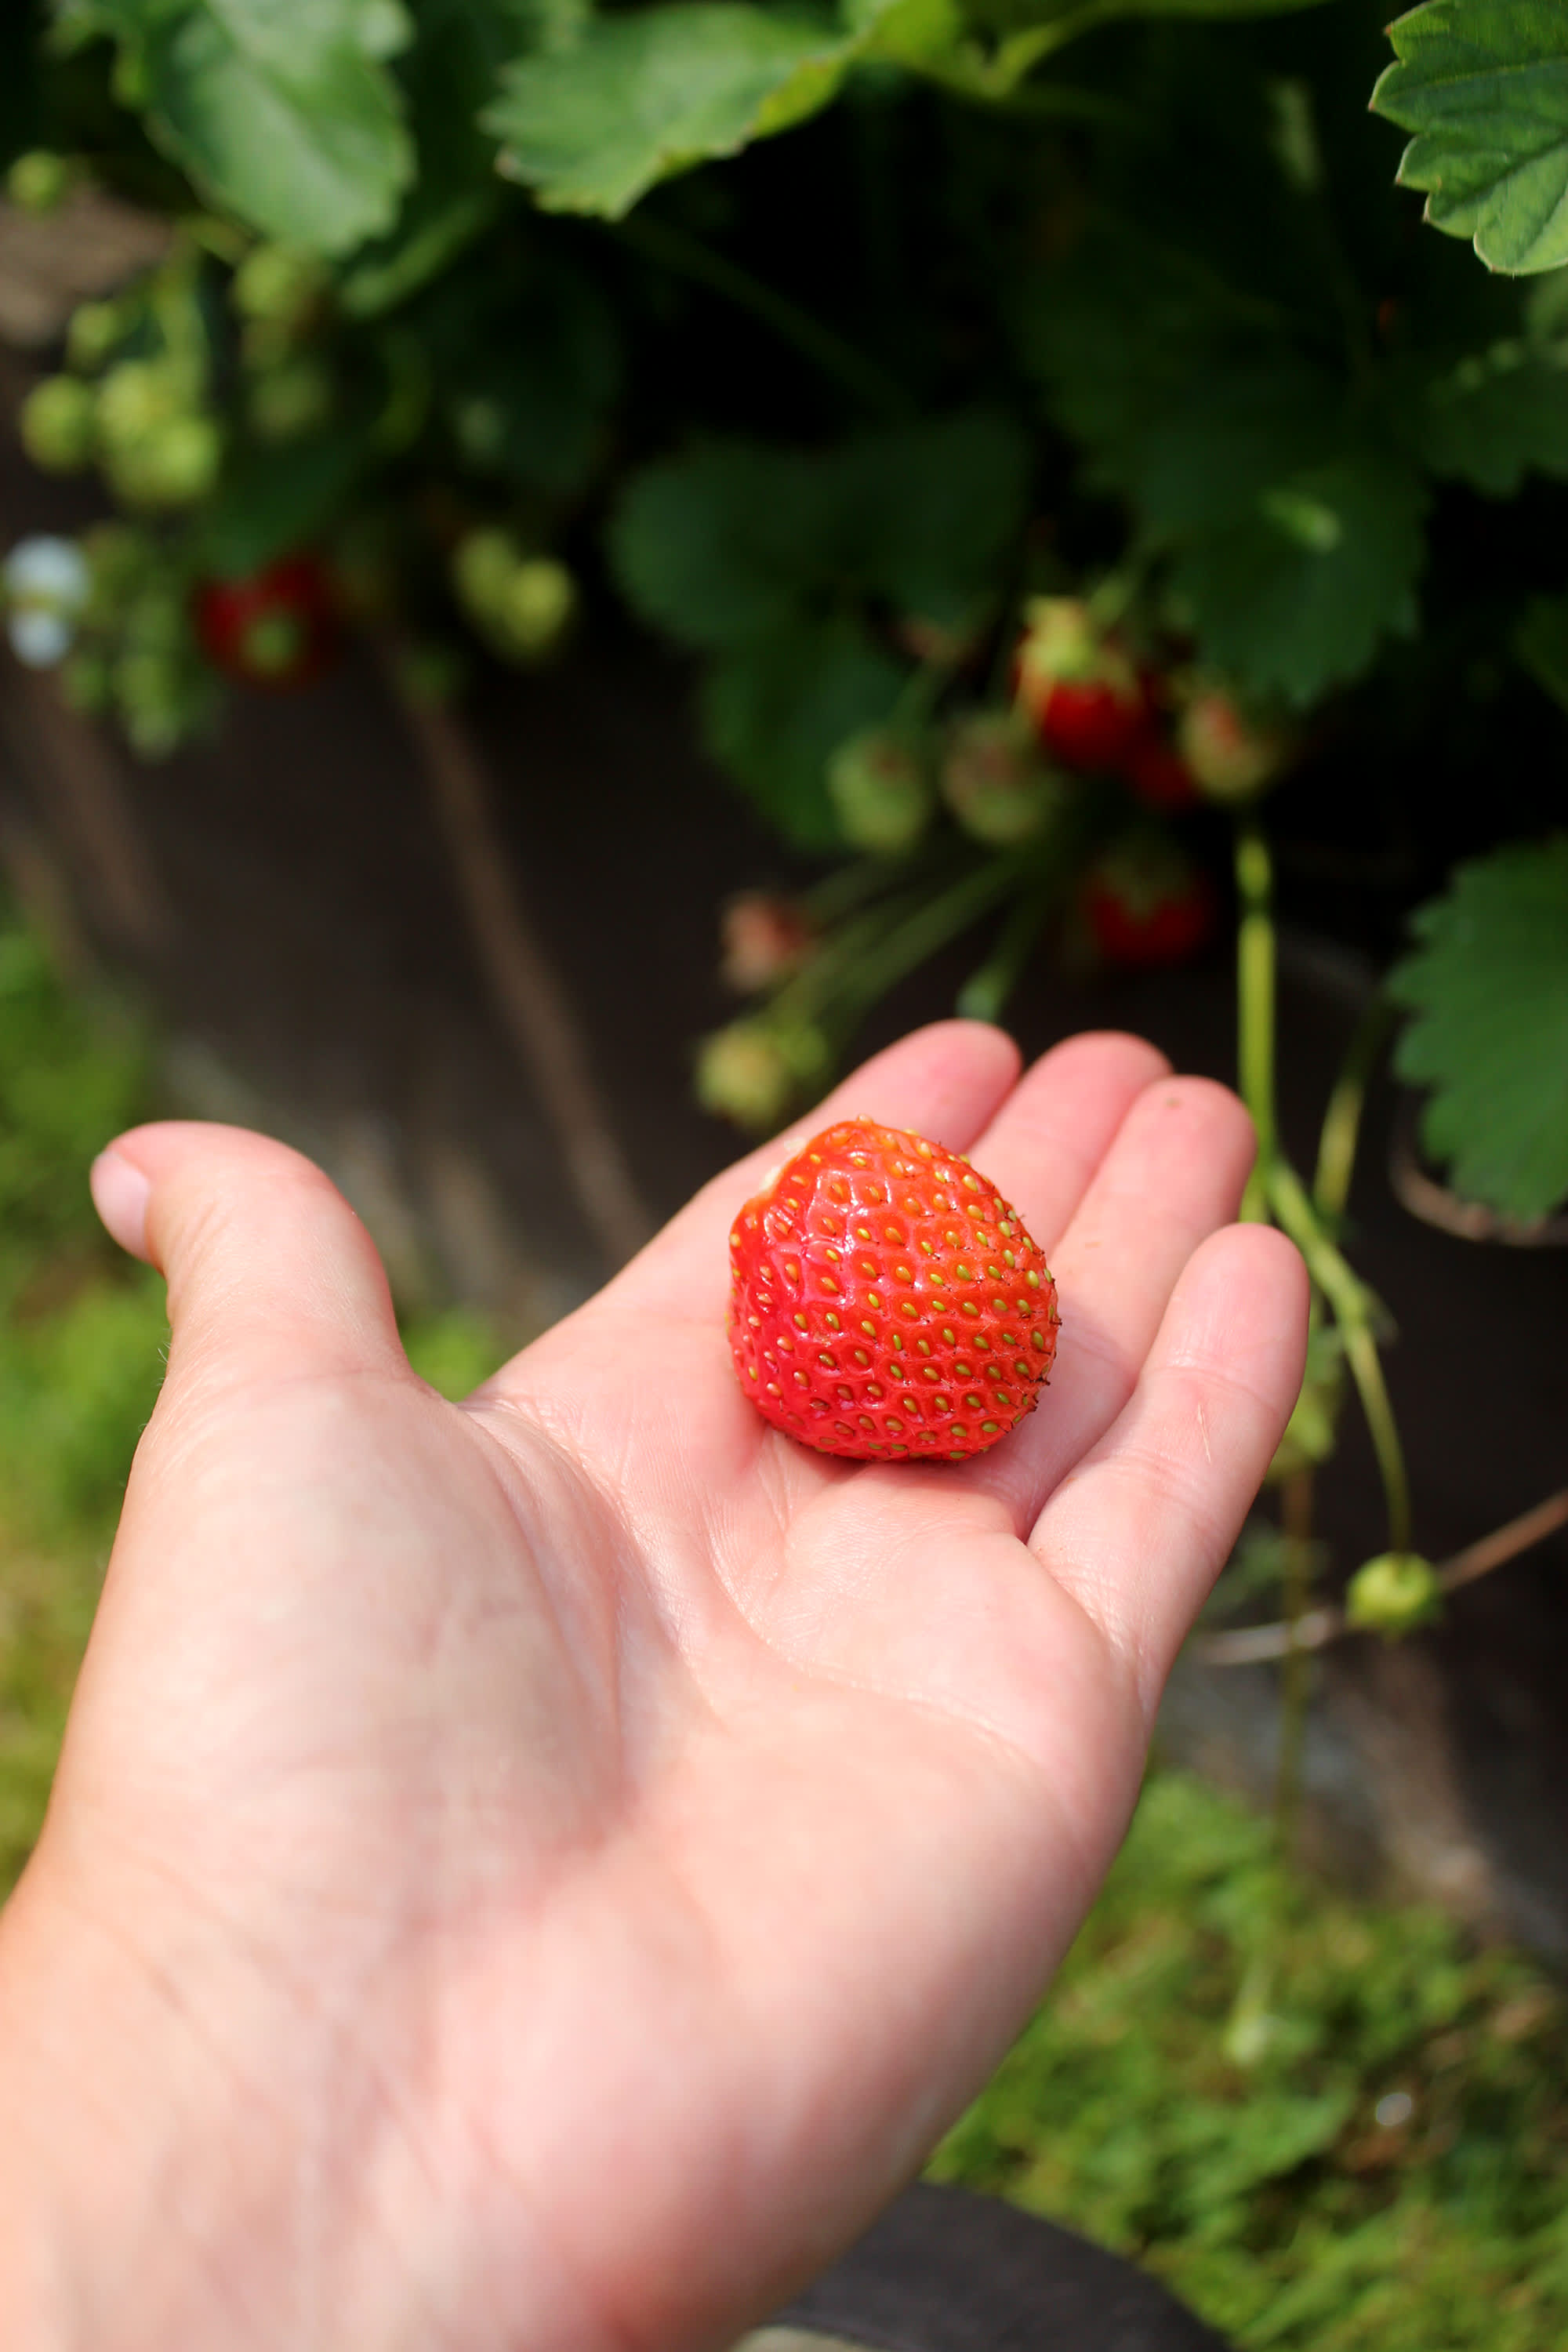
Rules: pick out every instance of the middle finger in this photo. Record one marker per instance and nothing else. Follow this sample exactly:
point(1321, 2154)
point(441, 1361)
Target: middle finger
point(1172, 1175)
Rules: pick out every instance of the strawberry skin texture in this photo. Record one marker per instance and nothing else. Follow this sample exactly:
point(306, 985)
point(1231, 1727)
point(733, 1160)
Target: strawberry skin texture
point(886, 1303)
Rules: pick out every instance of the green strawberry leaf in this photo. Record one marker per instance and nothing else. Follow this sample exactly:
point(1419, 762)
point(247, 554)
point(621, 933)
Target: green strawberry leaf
point(271, 500)
point(1498, 415)
point(286, 116)
point(715, 547)
point(448, 73)
point(775, 711)
point(1297, 596)
point(592, 126)
point(1483, 84)
point(1540, 643)
point(1488, 987)
point(735, 540)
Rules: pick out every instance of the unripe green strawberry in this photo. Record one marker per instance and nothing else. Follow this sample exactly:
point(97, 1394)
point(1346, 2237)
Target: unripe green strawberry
point(154, 703)
point(537, 609)
point(482, 564)
point(1393, 1594)
point(278, 284)
point(174, 465)
point(40, 181)
point(118, 557)
point(95, 330)
point(763, 938)
point(137, 399)
point(1229, 756)
point(59, 425)
point(995, 782)
point(752, 1070)
point(886, 1303)
point(1310, 1433)
point(881, 789)
point(284, 403)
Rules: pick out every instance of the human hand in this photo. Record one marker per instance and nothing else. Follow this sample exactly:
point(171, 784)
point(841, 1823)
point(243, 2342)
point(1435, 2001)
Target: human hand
point(543, 1871)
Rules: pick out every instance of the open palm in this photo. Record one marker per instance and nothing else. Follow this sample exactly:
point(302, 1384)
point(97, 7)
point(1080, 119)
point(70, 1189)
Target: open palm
point(566, 1856)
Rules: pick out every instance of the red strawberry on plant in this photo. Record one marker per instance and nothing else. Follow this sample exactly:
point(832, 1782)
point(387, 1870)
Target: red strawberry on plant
point(885, 1301)
point(1158, 776)
point(1084, 695)
point(1147, 905)
point(1231, 756)
point(277, 628)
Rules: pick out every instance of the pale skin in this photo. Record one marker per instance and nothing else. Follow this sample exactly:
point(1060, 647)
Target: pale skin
point(542, 1872)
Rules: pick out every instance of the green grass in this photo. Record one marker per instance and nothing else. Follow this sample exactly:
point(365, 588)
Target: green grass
point(1199, 2091)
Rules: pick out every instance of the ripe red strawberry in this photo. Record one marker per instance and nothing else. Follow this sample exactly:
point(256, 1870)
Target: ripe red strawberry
point(1148, 905)
point(277, 628)
point(885, 1301)
point(1158, 776)
point(1086, 700)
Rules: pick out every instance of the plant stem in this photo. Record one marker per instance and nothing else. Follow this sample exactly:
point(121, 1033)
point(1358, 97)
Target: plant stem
point(1296, 1675)
point(928, 928)
point(1351, 1303)
point(1341, 1121)
point(1255, 959)
point(986, 991)
point(672, 248)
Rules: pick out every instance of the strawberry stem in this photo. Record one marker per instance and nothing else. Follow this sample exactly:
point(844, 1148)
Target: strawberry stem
point(985, 991)
point(1275, 1190)
point(1342, 1121)
point(673, 248)
point(1254, 1004)
point(1296, 1673)
point(941, 919)
point(1353, 1305)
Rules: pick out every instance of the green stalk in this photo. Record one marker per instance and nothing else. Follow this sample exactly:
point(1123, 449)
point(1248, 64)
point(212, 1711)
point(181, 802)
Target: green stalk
point(1296, 1675)
point(847, 887)
point(813, 991)
point(672, 248)
point(1351, 1303)
point(1341, 1121)
point(985, 991)
point(1255, 975)
point(930, 927)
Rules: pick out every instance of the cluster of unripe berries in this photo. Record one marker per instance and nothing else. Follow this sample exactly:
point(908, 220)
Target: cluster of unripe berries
point(1082, 710)
point(1081, 705)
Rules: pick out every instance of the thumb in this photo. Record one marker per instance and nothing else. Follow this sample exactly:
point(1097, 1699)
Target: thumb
point(269, 1268)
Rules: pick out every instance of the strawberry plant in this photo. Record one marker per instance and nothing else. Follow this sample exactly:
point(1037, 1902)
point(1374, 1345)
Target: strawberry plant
point(1089, 498)
point(1053, 429)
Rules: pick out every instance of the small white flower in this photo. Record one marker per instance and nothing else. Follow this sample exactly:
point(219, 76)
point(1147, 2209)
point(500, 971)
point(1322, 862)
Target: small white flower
point(38, 639)
point(47, 584)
